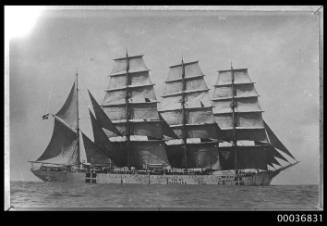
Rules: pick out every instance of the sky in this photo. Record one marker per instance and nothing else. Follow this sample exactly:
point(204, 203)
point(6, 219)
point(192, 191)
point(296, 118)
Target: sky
point(281, 52)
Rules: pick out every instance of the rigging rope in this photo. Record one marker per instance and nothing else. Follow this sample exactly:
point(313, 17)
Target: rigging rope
point(49, 100)
point(47, 110)
point(83, 94)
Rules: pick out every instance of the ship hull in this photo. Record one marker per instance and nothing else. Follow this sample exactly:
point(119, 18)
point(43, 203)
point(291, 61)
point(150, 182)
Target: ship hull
point(247, 179)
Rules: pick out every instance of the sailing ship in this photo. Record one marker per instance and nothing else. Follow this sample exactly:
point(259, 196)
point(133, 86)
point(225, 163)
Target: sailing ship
point(191, 139)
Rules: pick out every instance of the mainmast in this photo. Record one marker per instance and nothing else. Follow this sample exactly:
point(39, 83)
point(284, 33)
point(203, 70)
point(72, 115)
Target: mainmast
point(233, 105)
point(128, 111)
point(77, 122)
point(184, 135)
point(187, 109)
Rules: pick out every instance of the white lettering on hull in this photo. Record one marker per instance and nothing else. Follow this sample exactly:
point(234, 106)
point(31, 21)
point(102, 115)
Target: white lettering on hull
point(261, 178)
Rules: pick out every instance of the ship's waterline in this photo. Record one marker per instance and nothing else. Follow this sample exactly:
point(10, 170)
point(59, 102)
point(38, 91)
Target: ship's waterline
point(260, 178)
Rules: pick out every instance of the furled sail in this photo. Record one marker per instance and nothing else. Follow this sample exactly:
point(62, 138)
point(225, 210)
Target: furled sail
point(62, 148)
point(94, 153)
point(69, 110)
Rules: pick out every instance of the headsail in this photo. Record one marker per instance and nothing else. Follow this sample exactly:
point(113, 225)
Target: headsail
point(100, 138)
point(69, 110)
point(274, 141)
point(62, 148)
point(64, 145)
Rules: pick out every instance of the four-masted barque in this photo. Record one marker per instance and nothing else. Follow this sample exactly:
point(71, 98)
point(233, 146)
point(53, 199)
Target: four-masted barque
point(192, 139)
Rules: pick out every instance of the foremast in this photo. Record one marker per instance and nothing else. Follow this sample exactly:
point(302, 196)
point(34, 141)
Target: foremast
point(131, 105)
point(128, 112)
point(77, 123)
point(184, 121)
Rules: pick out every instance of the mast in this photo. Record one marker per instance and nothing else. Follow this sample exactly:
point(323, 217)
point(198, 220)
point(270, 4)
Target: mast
point(128, 114)
point(131, 105)
point(238, 113)
point(234, 140)
point(187, 109)
point(77, 123)
point(64, 146)
point(184, 135)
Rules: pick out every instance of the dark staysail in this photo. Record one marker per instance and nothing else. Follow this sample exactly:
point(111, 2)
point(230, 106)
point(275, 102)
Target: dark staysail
point(100, 138)
point(166, 128)
point(102, 117)
point(275, 142)
point(187, 109)
point(250, 142)
point(94, 153)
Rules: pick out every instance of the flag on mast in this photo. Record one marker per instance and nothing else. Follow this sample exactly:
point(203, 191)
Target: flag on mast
point(46, 116)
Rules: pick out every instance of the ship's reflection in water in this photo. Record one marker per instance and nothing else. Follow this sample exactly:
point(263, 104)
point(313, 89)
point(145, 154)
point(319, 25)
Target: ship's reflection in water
point(37, 195)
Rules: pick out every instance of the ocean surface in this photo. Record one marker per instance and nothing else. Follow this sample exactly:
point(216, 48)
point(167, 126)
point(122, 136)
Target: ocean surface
point(60, 196)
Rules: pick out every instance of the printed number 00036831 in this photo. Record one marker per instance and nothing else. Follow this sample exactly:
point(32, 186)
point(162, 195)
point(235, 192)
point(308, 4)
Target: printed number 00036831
point(299, 218)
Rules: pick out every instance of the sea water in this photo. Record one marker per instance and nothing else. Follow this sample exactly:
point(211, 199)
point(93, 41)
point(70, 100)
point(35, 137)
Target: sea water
point(61, 196)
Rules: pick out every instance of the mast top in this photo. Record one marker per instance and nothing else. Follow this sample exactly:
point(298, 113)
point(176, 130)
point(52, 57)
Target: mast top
point(129, 57)
point(234, 69)
point(188, 63)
